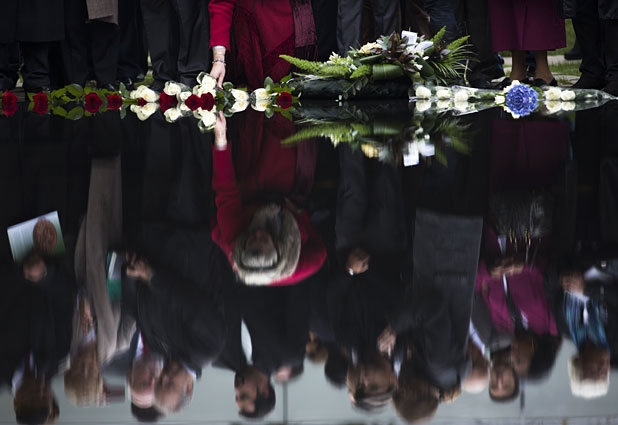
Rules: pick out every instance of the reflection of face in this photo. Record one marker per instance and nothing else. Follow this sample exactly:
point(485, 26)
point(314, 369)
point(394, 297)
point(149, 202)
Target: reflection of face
point(522, 351)
point(142, 377)
point(501, 380)
point(246, 386)
point(173, 383)
point(594, 363)
point(375, 377)
point(358, 261)
point(34, 268)
point(33, 394)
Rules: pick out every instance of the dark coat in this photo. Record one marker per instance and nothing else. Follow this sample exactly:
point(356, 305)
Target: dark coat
point(608, 9)
point(8, 21)
point(40, 20)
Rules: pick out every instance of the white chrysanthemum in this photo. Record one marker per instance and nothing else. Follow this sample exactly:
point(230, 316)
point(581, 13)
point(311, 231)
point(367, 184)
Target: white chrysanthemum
point(423, 105)
point(499, 99)
point(172, 114)
point(553, 106)
point(553, 93)
point(172, 88)
point(183, 96)
point(567, 106)
point(567, 95)
point(422, 92)
point(444, 93)
point(461, 96)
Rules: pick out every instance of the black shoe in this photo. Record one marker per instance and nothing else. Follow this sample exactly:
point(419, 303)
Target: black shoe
point(611, 88)
point(586, 82)
point(481, 84)
point(157, 85)
point(575, 53)
point(108, 86)
point(539, 82)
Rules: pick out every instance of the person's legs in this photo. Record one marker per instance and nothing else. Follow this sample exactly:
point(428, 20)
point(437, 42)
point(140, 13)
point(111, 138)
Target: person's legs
point(161, 24)
point(104, 45)
point(442, 14)
point(542, 67)
point(76, 43)
point(386, 16)
point(611, 56)
point(130, 63)
point(588, 31)
point(8, 71)
point(35, 71)
point(518, 71)
point(325, 18)
point(349, 20)
point(194, 39)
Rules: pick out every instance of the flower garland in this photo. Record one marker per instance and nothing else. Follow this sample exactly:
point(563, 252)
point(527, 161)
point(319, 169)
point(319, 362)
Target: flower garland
point(176, 101)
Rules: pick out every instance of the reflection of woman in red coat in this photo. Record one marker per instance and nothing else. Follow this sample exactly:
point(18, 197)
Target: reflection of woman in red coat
point(261, 31)
point(267, 243)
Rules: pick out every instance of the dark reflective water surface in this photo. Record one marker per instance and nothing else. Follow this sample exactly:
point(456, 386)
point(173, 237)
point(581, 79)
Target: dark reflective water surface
point(364, 263)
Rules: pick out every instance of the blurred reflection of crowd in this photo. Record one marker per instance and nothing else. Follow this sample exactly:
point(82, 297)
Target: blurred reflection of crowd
point(408, 284)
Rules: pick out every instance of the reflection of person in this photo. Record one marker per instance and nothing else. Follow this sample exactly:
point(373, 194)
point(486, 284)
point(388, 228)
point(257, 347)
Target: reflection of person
point(267, 243)
point(174, 387)
point(503, 380)
point(371, 381)
point(261, 32)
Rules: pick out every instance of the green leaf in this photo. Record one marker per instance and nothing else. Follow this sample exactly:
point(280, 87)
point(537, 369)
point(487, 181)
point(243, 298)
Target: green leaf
point(123, 91)
point(286, 78)
point(439, 35)
point(268, 83)
point(268, 113)
point(59, 110)
point(75, 90)
point(76, 113)
point(228, 86)
point(123, 113)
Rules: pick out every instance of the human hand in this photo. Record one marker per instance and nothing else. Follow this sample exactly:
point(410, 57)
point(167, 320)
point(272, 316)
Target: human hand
point(386, 340)
point(358, 261)
point(221, 131)
point(138, 268)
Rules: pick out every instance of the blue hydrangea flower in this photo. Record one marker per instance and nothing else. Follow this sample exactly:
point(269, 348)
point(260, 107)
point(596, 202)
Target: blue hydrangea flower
point(522, 100)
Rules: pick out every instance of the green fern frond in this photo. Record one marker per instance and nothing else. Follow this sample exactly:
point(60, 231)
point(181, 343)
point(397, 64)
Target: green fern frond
point(308, 66)
point(361, 71)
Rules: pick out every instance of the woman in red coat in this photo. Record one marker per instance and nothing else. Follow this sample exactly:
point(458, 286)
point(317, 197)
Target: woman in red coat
point(260, 30)
point(522, 25)
point(267, 243)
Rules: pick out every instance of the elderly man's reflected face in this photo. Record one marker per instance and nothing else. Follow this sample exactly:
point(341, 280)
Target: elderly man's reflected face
point(142, 378)
point(247, 385)
point(501, 380)
point(175, 381)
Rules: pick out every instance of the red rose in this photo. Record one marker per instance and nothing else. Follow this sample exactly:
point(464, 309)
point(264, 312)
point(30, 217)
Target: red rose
point(193, 102)
point(208, 101)
point(141, 102)
point(92, 103)
point(114, 101)
point(166, 101)
point(284, 100)
point(40, 103)
point(9, 103)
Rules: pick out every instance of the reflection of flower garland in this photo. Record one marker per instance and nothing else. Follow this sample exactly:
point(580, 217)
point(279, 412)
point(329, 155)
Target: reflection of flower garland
point(175, 101)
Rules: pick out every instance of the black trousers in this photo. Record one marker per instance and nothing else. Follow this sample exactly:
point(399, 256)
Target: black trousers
point(9, 65)
point(133, 54)
point(325, 18)
point(350, 17)
point(178, 34)
point(36, 69)
point(94, 41)
point(598, 39)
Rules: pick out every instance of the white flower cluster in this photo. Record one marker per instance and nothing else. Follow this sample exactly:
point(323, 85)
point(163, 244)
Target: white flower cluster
point(556, 93)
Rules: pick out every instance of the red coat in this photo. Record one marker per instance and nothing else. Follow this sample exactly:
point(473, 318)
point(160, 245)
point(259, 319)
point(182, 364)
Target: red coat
point(261, 167)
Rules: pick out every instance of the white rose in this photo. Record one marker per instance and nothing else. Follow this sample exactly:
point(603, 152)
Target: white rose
point(208, 119)
point(183, 108)
point(134, 94)
point(444, 94)
point(553, 106)
point(461, 96)
point(567, 106)
point(423, 105)
point(515, 116)
point(553, 93)
point(261, 99)
point(183, 96)
point(260, 105)
point(172, 88)
point(241, 100)
point(260, 94)
point(149, 95)
point(423, 92)
point(461, 105)
point(515, 82)
point(172, 114)
point(203, 89)
point(144, 112)
point(499, 99)
point(444, 104)
point(209, 82)
point(567, 95)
